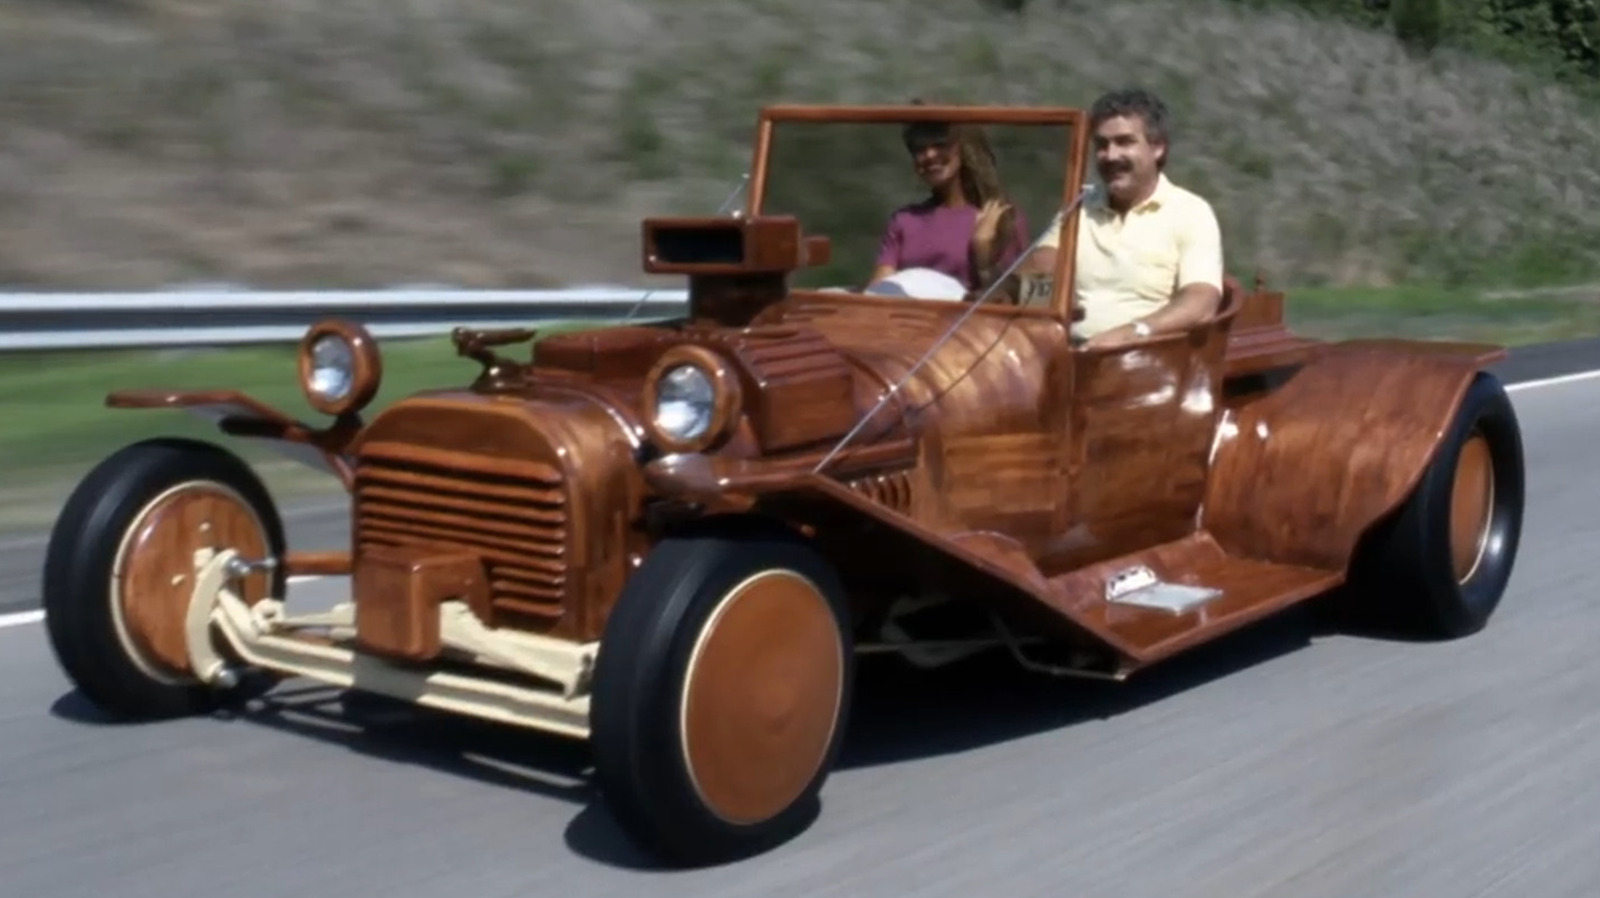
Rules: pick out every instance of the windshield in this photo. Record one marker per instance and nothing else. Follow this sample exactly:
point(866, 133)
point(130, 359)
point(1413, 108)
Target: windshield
point(904, 198)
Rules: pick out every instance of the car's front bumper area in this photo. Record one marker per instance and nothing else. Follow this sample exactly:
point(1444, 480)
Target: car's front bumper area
point(512, 677)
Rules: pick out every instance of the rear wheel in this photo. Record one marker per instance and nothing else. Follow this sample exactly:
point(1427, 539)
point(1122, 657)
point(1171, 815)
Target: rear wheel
point(720, 695)
point(119, 571)
point(1440, 566)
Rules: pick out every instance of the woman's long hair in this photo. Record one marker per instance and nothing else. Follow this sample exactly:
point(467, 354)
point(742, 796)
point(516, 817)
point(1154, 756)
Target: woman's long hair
point(979, 181)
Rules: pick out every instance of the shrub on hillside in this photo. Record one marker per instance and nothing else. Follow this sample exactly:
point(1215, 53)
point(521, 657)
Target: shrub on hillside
point(1419, 24)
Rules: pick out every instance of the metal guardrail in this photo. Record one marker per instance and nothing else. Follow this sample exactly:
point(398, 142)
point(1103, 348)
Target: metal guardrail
point(175, 318)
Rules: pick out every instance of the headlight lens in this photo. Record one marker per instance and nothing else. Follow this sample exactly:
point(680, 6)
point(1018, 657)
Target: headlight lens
point(333, 368)
point(685, 402)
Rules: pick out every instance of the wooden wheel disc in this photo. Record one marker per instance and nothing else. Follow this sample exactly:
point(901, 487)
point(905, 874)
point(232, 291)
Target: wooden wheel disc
point(762, 696)
point(1471, 506)
point(153, 575)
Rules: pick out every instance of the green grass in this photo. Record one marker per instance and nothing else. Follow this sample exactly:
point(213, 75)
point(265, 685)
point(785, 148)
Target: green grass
point(58, 426)
point(1513, 317)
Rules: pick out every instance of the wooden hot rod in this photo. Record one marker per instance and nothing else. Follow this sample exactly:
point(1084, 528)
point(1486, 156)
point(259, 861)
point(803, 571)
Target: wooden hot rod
point(673, 538)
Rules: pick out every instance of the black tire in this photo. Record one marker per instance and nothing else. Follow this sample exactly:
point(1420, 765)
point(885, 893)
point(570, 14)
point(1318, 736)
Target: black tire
point(83, 616)
point(638, 708)
point(1410, 580)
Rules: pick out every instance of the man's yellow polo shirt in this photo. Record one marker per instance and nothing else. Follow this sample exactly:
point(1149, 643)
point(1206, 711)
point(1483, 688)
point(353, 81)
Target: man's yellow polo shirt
point(1128, 267)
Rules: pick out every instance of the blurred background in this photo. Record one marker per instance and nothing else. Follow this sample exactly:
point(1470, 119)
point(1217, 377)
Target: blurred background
point(1420, 168)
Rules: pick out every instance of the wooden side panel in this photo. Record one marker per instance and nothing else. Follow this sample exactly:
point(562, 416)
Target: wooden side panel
point(1143, 420)
point(1143, 432)
point(992, 404)
point(868, 542)
point(1013, 483)
point(801, 389)
point(1301, 473)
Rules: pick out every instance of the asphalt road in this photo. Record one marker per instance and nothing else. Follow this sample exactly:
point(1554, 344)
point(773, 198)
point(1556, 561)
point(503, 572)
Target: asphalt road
point(1285, 761)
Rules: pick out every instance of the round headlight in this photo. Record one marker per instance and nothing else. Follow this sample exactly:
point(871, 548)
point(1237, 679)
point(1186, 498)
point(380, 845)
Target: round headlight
point(693, 399)
point(686, 403)
point(333, 368)
point(339, 367)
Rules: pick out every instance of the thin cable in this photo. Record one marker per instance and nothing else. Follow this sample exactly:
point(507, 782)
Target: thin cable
point(1071, 207)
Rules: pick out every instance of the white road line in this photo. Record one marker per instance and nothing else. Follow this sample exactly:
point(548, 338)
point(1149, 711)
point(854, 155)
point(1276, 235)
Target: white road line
point(20, 618)
point(1553, 381)
point(24, 618)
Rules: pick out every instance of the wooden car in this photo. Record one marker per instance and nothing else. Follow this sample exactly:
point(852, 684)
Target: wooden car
point(673, 539)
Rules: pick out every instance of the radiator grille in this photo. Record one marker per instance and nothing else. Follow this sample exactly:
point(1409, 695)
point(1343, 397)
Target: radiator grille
point(512, 514)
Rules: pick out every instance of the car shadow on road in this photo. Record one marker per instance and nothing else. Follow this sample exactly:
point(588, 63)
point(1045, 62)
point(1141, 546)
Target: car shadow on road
point(900, 715)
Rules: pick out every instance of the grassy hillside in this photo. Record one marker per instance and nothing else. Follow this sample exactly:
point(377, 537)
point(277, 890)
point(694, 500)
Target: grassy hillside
point(493, 142)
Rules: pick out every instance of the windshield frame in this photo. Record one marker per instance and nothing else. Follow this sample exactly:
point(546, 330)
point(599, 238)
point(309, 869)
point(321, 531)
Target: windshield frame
point(1074, 157)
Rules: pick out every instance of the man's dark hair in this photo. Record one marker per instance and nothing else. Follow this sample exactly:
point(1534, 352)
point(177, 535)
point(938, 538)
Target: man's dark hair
point(1134, 101)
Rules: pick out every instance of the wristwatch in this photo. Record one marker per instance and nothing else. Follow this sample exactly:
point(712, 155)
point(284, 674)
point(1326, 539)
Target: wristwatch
point(1141, 329)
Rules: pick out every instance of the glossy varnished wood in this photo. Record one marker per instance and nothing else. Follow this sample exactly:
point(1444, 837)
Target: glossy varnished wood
point(1260, 339)
point(527, 483)
point(763, 689)
point(366, 372)
point(155, 574)
point(405, 586)
point(1251, 590)
point(318, 564)
point(990, 408)
point(1471, 505)
point(1144, 416)
point(1294, 481)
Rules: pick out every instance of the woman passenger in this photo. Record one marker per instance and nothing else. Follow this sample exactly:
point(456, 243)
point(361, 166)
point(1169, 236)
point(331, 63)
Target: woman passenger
point(953, 231)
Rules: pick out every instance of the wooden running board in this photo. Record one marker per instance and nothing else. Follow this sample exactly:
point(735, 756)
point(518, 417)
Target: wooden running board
point(1184, 571)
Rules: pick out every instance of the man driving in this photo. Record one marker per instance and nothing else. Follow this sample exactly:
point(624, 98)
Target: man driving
point(1149, 257)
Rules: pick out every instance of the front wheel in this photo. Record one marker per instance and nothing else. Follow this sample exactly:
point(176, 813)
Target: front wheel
point(119, 571)
point(1440, 566)
point(720, 695)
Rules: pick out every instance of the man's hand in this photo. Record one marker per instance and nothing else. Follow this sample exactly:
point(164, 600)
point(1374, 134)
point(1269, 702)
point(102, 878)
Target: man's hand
point(1117, 336)
point(1193, 305)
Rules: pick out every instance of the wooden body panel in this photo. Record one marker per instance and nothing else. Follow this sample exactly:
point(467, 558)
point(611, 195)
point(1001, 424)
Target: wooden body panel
point(1143, 421)
point(1251, 590)
point(990, 408)
point(1302, 472)
point(876, 548)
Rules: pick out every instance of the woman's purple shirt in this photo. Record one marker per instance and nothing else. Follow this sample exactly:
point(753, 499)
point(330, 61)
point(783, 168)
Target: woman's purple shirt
point(927, 234)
